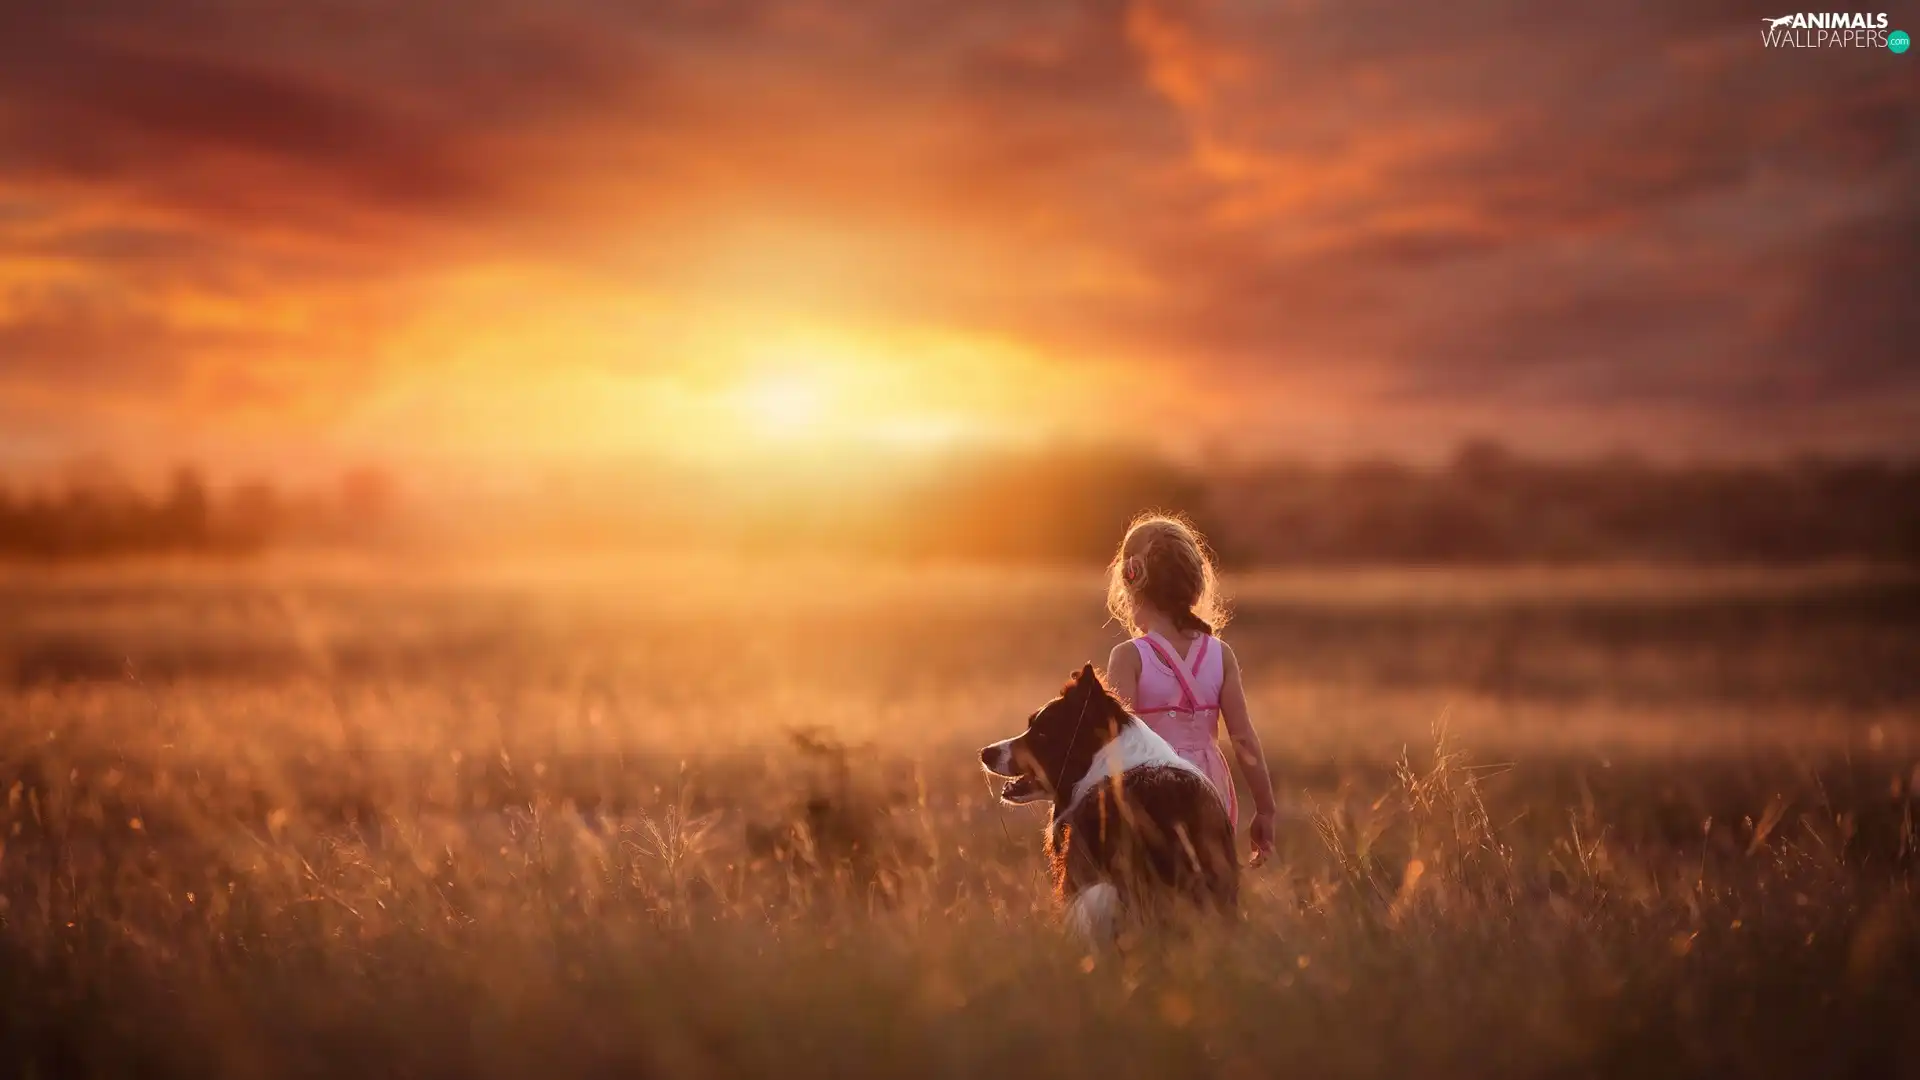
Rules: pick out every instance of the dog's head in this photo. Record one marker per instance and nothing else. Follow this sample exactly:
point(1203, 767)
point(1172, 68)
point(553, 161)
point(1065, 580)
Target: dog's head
point(1049, 758)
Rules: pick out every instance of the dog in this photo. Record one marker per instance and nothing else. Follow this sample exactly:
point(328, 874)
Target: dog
point(1137, 832)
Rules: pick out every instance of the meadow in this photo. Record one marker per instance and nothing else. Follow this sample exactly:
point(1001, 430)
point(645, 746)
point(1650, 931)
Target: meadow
point(300, 816)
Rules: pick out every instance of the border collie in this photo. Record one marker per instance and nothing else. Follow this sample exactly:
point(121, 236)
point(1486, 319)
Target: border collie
point(1136, 829)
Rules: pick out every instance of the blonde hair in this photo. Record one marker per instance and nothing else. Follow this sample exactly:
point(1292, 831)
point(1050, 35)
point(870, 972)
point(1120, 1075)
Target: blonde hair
point(1163, 561)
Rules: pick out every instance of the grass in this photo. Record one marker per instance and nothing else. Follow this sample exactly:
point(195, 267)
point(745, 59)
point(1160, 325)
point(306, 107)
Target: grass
point(293, 821)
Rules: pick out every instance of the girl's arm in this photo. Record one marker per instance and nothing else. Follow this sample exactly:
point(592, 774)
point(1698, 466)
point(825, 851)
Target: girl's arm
point(1123, 672)
point(1246, 747)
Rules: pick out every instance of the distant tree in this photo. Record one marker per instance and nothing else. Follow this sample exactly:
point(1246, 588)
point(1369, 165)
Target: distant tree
point(254, 515)
point(364, 504)
point(1483, 461)
point(367, 495)
point(182, 520)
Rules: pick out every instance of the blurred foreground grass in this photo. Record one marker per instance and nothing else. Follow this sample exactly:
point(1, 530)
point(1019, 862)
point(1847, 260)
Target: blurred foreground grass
point(725, 820)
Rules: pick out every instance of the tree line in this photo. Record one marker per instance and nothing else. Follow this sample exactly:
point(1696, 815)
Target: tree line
point(1485, 504)
point(98, 517)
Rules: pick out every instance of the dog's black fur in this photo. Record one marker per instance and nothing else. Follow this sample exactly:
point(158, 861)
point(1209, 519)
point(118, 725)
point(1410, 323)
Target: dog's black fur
point(1150, 826)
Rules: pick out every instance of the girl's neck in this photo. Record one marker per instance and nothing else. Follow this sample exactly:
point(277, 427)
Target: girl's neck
point(1153, 620)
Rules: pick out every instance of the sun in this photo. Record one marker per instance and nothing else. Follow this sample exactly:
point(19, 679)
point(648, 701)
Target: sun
point(784, 404)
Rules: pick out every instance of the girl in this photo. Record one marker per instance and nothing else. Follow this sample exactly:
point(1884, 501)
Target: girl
point(1174, 673)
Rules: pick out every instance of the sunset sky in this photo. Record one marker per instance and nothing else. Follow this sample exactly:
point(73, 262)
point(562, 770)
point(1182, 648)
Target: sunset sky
point(481, 230)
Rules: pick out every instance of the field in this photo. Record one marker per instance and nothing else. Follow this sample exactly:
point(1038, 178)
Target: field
point(305, 817)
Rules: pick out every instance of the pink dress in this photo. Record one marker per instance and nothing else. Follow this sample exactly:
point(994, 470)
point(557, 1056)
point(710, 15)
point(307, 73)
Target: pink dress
point(1180, 701)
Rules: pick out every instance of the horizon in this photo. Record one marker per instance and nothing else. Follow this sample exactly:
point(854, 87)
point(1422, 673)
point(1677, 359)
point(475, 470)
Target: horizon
point(1486, 504)
point(149, 475)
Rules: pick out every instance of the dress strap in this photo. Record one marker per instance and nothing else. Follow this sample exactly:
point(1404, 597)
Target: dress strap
point(1188, 701)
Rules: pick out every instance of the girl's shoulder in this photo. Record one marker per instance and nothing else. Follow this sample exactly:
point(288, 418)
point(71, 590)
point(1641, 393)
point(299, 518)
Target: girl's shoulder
point(1226, 651)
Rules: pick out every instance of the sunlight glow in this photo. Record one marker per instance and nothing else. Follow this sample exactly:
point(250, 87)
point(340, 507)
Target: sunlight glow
point(786, 404)
point(526, 371)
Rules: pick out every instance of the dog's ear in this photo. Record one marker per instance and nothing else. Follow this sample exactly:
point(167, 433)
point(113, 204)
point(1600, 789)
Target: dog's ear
point(1082, 681)
point(1085, 681)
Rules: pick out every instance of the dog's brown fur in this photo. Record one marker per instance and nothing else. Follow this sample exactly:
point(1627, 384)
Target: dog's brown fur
point(1153, 829)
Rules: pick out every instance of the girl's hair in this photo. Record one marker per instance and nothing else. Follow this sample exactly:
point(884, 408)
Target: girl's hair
point(1164, 562)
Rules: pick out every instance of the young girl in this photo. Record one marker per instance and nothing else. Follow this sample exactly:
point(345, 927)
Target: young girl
point(1174, 673)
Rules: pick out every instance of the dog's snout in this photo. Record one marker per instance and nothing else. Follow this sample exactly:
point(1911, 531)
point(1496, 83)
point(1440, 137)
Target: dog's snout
point(997, 759)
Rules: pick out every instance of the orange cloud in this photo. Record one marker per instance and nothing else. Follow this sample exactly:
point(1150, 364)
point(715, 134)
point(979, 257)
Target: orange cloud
point(1354, 227)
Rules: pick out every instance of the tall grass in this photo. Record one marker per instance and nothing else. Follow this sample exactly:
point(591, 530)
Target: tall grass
point(519, 844)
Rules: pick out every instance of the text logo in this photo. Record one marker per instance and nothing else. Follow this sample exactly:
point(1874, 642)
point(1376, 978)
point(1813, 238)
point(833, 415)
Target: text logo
point(1828, 29)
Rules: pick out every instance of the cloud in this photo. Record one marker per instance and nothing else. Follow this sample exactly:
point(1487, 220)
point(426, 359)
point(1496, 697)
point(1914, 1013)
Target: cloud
point(1426, 213)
